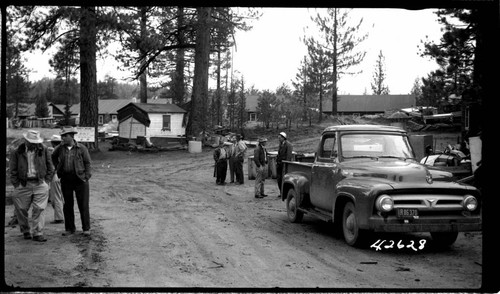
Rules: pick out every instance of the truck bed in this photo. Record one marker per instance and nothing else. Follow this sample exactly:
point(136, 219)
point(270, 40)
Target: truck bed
point(296, 167)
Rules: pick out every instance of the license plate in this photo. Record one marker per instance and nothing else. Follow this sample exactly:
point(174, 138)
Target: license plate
point(407, 213)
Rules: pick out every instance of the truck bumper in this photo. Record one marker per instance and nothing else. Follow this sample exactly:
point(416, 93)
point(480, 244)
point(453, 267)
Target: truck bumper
point(379, 224)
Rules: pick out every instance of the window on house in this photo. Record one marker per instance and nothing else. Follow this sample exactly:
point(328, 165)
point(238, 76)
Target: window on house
point(253, 117)
point(101, 119)
point(166, 123)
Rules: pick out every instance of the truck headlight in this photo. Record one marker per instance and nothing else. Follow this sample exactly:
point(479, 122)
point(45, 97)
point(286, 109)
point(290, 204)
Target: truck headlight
point(384, 203)
point(470, 203)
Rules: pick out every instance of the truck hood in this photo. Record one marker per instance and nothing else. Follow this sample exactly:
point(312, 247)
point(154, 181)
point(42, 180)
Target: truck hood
point(394, 171)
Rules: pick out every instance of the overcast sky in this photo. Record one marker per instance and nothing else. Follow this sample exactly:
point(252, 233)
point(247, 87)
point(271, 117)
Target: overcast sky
point(269, 55)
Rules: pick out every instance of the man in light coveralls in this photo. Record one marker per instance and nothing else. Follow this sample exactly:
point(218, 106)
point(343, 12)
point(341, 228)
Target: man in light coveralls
point(31, 171)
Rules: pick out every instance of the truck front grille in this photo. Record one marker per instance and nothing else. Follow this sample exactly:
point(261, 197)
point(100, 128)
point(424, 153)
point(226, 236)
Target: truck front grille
point(431, 204)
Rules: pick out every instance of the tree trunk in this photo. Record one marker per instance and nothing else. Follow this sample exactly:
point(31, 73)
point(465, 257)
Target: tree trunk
point(88, 100)
point(335, 57)
point(218, 91)
point(178, 87)
point(143, 91)
point(197, 123)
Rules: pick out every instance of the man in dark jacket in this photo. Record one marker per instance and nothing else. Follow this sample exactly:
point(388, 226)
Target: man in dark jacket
point(284, 153)
point(260, 160)
point(73, 166)
point(31, 171)
point(220, 158)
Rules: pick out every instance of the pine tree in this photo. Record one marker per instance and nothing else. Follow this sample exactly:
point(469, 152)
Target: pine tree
point(455, 53)
point(339, 41)
point(199, 101)
point(318, 72)
point(266, 107)
point(17, 85)
point(416, 90)
point(378, 85)
point(41, 108)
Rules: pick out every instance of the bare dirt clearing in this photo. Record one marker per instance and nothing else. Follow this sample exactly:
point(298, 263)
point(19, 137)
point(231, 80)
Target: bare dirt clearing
point(158, 220)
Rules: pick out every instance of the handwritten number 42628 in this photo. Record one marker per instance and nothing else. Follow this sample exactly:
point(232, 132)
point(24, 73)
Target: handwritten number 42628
point(389, 245)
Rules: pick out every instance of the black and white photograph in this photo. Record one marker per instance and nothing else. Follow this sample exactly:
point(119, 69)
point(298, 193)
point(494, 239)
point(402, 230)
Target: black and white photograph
point(241, 148)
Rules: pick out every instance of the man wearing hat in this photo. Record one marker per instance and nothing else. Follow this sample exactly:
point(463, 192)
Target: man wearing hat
point(239, 151)
point(55, 192)
point(260, 160)
point(73, 167)
point(30, 172)
point(285, 150)
point(220, 158)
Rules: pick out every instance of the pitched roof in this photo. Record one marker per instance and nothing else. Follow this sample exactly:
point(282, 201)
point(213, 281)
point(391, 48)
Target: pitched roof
point(370, 103)
point(153, 100)
point(353, 103)
point(105, 106)
point(156, 107)
point(111, 106)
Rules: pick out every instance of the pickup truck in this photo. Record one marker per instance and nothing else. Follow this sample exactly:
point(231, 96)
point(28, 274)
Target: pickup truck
point(365, 179)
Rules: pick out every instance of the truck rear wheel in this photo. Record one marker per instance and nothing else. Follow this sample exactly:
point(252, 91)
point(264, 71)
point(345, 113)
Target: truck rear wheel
point(444, 239)
point(294, 215)
point(353, 235)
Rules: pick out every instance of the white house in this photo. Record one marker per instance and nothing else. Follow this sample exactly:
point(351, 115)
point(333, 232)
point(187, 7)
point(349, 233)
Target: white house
point(151, 121)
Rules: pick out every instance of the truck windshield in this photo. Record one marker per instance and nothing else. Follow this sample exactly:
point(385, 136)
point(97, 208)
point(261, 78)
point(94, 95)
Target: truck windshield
point(375, 146)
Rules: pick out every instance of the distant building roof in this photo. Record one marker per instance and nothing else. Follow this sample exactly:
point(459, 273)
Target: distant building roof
point(369, 103)
point(73, 109)
point(156, 107)
point(153, 100)
point(111, 106)
point(353, 103)
point(106, 106)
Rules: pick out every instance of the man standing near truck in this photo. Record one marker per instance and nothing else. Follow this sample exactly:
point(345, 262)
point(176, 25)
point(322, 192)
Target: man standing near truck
point(284, 153)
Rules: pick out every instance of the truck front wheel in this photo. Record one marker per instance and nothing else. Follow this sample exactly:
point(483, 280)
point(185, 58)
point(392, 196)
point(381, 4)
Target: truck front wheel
point(294, 215)
point(353, 235)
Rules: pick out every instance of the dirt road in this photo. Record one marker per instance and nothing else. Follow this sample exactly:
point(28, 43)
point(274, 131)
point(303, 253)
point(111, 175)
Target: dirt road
point(159, 220)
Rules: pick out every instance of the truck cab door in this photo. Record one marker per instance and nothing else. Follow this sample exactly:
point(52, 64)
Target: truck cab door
point(323, 174)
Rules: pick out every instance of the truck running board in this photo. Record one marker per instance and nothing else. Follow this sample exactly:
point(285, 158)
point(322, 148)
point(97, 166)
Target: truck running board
point(319, 214)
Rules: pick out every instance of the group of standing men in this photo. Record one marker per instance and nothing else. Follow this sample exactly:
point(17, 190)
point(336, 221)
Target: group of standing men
point(285, 152)
point(38, 174)
point(230, 153)
point(234, 152)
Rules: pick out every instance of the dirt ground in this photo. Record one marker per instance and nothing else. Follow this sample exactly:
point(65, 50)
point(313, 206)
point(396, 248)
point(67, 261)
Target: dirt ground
point(159, 221)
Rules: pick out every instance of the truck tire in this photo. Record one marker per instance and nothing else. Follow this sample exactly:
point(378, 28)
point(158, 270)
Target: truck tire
point(444, 239)
point(294, 215)
point(353, 235)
